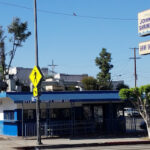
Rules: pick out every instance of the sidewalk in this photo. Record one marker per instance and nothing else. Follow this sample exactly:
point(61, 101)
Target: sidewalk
point(8, 143)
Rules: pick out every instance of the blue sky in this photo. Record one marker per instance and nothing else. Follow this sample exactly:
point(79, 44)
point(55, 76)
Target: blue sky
point(73, 42)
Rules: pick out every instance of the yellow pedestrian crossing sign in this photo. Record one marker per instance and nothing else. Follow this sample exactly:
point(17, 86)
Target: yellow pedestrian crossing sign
point(35, 76)
point(35, 91)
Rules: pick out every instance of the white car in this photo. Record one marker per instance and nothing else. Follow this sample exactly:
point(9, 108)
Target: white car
point(128, 112)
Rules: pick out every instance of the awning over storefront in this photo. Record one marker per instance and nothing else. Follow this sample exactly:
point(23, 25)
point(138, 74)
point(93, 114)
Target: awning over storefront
point(75, 96)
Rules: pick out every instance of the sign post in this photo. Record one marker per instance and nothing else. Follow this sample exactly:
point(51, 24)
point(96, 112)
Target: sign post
point(35, 78)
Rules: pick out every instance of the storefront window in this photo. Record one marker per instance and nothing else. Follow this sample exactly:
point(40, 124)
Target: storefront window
point(9, 115)
point(66, 113)
point(53, 113)
point(28, 114)
point(43, 113)
point(60, 114)
point(98, 114)
point(87, 112)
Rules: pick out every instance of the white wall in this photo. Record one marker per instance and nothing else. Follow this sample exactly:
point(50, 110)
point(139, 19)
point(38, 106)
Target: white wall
point(70, 77)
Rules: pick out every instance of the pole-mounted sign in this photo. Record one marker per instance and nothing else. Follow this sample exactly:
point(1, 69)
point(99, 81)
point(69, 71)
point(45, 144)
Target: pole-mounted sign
point(144, 23)
point(35, 92)
point(144, 30)
point(35, 77)
point(144, 48)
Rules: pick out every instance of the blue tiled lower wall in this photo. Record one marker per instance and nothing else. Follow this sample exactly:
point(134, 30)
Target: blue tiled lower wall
point(10, 128)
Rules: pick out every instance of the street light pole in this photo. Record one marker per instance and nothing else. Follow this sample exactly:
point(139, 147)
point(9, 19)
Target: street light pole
point(36, 36)
point(36, 63)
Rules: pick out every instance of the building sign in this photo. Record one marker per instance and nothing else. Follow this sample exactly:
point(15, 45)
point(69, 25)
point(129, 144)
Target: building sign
point(144, 23)
point(144, 48)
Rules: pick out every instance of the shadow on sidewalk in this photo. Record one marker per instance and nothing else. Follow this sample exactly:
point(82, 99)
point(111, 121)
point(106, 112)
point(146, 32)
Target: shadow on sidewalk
point(41, 147)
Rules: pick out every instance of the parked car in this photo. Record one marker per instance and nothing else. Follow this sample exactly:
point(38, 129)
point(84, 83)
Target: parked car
point(128, 112)
point(143, 125)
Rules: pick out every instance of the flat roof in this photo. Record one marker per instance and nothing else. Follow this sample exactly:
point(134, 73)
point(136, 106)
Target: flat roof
point(73, 96)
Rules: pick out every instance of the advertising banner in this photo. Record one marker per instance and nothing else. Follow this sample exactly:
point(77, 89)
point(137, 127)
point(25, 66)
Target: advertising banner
point(144, 48)
point(144, 23)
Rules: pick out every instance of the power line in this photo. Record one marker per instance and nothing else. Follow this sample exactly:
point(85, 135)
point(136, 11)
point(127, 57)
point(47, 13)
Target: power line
point(123, 68)
point(67, 14)
point(15, 5)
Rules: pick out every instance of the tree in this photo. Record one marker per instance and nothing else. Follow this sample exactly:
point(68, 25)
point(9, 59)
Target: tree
point(122, 86)
point(2, 53)
point(89, 83)
point(19, 33)
point(140, 98)
point(104, 64)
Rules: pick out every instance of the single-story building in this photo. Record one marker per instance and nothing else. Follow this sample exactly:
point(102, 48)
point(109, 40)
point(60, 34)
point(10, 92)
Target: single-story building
point(61, 113)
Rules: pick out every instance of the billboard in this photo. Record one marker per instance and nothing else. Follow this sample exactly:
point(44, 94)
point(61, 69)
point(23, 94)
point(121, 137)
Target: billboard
point(144, 48)
point(144, 23)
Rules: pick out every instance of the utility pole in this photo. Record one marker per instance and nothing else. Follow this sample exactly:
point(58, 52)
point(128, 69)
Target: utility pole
point(135, 58)
point(53, 67)
point(37, 65)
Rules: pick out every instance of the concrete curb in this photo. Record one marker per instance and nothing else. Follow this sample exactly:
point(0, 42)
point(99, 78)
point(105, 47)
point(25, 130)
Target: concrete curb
point(83, 145)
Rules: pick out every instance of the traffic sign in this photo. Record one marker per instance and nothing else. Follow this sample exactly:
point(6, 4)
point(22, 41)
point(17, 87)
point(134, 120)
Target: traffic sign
point(35, 91)
point(35, 76)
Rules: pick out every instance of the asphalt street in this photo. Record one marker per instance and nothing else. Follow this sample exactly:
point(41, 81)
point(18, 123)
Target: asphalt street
point(122, 147)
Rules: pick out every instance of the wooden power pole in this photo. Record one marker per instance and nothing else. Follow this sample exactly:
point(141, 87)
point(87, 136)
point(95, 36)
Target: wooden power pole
point(135, 72)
